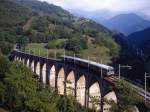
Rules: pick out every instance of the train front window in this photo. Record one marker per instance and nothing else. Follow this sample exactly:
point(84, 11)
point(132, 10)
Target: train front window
point(110, 71)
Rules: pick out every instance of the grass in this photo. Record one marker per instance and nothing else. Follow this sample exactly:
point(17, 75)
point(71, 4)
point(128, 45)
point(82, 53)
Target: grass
point(40, 50)
point(101, 53)
point(36, 49)
point(97, 54)
point(57, 43)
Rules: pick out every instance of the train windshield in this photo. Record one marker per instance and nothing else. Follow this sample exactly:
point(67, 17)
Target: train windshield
point(110, 71)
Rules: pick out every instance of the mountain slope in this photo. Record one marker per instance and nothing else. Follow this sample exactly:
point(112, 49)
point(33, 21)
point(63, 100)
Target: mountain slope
point(61, 17)
point(12, 18)
point(12, 13)
point(17, 13)
point(44, 7)
point(40, 22)
point(127, 23)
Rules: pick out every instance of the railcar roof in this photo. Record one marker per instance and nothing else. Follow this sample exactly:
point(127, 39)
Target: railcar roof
point(90, 62)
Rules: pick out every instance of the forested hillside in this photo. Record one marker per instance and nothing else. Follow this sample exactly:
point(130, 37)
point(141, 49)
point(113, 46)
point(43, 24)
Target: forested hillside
point(140, 41)
point(136, 53)
point(12, 18)
point(31, 21)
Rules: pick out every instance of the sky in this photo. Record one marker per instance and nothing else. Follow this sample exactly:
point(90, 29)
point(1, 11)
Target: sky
point(116, 6)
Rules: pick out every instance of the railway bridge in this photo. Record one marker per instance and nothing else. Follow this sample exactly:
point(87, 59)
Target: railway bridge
point(80, 78)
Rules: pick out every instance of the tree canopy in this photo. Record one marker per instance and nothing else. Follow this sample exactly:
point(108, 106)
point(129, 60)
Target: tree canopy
point(20, 91)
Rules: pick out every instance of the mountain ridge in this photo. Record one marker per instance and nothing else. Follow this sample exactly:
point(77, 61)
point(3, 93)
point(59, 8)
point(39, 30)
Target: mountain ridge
point(127, 23)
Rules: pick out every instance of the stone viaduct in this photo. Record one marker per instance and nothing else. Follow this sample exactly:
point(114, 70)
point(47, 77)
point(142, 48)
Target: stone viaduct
point(82, 80)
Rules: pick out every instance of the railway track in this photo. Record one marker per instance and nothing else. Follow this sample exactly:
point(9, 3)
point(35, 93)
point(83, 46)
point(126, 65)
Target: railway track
point(139, 89)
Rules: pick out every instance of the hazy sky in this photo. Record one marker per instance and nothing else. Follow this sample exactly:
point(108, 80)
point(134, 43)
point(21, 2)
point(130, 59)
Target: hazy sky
point(141, 6)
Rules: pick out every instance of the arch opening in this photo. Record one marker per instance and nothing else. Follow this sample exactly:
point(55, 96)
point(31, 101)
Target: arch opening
point(23, 61)
point(28, 63)
point(20, 59)
point(70, 84)
point(38, 70)
point(60, 81)
point(110, 97)
point(52, 76)
point(44, 74)
point(80, 92)
point(17, 58)
point(32, 66)
point(94, 96)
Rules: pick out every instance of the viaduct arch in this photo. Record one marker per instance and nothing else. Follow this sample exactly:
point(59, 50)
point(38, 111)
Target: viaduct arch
point(71, 78)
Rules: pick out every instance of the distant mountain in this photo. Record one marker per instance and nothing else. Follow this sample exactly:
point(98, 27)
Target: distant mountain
point(126, 23)
point(141, 40)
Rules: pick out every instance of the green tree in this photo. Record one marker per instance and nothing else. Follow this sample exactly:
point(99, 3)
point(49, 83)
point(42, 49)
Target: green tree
point(104, 39)
point(56, 43)
point(127, 98)
point(76, 44)
point(22, 92)
point(5, 47)
point(4, 66)
point(2, 91)
point(22, 41)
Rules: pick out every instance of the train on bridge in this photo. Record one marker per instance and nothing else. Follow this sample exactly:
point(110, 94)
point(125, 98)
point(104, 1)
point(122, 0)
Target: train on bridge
point(106, 69)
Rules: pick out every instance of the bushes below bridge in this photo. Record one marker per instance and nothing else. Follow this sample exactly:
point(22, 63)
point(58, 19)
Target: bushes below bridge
point(19, 91)
point(128, 99)
point(73, 44)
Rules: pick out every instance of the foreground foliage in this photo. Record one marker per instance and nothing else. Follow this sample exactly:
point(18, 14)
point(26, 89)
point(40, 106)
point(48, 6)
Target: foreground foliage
point(127, 98)
point(20, 91)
